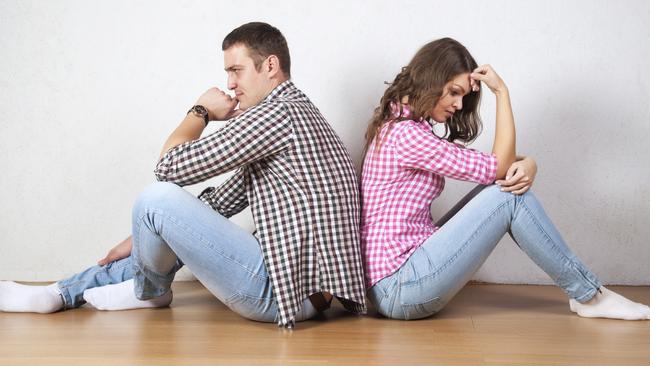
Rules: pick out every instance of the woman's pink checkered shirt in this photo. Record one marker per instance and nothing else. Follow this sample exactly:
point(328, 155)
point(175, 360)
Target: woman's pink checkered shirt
point(398, 184)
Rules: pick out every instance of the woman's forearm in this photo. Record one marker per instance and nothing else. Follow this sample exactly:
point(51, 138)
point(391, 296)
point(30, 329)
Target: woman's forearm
point(504, 137)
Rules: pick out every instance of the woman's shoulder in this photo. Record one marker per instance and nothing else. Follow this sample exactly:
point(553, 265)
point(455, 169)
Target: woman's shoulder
point(409, 128)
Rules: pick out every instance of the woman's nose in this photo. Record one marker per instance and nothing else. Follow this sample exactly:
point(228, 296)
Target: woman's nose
point(458, 104)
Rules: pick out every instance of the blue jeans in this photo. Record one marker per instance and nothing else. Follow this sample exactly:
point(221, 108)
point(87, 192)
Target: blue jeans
point(172, 228)
point(446, 261)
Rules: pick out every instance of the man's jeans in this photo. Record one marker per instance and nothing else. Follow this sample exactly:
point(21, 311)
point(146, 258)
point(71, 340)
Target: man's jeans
point(171, 228)
point(446, 261)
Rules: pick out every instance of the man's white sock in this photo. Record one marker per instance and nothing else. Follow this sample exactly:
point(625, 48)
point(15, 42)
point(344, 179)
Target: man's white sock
point(121, 296)
point(15, 297)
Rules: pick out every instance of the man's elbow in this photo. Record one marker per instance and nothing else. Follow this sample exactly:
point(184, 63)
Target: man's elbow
point(160, 176)
point(163, 171)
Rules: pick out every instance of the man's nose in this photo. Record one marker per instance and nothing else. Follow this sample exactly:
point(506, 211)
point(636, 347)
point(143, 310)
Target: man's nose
point(231, 83)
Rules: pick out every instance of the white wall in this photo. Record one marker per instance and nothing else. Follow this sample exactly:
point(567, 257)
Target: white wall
point(89, 90)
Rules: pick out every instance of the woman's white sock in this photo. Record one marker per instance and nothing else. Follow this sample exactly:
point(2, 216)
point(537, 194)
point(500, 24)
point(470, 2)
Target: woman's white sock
point(18, 298)
point(609, 304)
point(121, 296)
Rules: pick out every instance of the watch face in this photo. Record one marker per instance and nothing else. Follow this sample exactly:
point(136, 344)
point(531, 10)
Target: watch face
point(199, 109)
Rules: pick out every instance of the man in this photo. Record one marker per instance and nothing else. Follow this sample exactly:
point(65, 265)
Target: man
point(291, 168)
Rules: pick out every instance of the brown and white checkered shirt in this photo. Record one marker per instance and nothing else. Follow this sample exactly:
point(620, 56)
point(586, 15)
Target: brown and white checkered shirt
point(297, 176)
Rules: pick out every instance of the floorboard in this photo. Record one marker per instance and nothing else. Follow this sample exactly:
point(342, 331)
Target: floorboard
point(483, 325)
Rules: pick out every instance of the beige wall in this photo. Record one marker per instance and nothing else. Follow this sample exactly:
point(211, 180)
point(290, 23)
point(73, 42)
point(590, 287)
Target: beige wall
point(89, 90)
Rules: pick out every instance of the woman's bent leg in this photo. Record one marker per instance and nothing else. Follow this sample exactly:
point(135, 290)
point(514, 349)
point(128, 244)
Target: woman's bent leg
point(444, 263)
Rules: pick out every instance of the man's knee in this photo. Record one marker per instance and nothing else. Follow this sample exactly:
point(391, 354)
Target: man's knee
point(158, 194)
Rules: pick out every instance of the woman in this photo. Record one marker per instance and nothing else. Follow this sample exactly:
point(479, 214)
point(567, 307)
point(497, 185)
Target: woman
point(413, 266)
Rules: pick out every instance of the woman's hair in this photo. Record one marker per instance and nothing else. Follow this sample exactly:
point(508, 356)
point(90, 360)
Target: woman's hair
point(422, 81)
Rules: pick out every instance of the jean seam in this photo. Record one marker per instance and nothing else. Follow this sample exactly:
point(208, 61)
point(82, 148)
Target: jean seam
point(555, 246)
point(239, 294)
point(588, 296)
point(197, 237)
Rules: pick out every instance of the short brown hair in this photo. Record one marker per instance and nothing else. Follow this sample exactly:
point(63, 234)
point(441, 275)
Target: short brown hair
point(262, 41)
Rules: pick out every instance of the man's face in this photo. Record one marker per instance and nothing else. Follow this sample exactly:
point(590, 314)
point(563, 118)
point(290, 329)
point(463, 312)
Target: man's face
point(250, 86)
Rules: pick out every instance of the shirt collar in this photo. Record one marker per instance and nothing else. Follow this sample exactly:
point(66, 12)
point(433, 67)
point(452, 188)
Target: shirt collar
point(400, 111)
point(280, 90)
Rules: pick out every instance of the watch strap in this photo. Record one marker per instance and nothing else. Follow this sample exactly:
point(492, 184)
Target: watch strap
point(200, 111)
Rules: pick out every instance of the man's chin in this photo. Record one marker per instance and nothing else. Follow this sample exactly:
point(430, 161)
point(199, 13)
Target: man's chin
point(244, 105)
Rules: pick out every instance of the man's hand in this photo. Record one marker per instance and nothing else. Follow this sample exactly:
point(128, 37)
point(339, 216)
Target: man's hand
point(122, 250)
point(220, 105)
point(520, 176)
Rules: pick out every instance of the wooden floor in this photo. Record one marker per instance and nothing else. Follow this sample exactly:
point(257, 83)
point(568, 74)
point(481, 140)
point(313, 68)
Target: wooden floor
point(483, 325)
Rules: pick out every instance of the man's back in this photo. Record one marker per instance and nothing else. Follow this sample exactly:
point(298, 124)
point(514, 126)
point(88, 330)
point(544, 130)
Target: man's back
point(297, 177)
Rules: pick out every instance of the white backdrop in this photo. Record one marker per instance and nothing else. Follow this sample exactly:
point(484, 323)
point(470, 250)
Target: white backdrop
point(89, 90)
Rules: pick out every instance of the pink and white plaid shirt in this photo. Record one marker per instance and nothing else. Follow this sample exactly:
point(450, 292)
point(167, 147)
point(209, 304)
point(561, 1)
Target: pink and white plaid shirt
point(398, 184)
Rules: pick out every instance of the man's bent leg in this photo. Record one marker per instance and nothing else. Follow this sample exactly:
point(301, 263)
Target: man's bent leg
point(169, 224)
point(72, 288)
point(64, 294)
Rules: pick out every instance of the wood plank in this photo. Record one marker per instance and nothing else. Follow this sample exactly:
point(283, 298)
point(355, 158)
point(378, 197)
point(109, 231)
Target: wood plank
point(484, 324)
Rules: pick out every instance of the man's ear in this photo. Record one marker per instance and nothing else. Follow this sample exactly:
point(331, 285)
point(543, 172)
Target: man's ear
point(273, 66)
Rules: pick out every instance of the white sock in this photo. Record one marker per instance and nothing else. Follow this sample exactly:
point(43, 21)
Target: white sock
point(18, 298)
point(609, 304)
point(121, 296)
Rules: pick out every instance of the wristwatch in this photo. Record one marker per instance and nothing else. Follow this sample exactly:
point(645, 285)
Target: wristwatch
point(200, 111)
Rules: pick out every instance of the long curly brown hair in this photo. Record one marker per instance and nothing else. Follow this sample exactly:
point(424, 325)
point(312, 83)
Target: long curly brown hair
point(422, 82)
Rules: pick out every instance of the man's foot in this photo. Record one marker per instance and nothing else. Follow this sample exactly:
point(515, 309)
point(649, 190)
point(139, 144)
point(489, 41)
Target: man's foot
point(609, 304)
point(121, 296)
point(18, 298)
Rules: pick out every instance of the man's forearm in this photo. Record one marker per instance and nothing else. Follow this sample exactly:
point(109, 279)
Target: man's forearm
point(190, 129)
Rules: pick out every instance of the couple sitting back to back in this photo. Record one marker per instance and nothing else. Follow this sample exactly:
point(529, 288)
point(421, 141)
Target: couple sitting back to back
point(313, 240)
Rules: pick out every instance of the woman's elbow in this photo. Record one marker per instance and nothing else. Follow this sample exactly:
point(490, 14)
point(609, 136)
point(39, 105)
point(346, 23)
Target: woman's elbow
point(503, 165)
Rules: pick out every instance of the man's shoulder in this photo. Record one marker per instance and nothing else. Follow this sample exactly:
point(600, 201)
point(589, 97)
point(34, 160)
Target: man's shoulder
point(288, 92)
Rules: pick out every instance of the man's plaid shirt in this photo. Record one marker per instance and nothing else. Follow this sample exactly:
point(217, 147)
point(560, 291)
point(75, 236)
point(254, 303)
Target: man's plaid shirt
point(297, 176)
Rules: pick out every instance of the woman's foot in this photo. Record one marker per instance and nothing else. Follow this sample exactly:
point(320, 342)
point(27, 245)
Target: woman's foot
point(609, 304)
point(121, 296)
point(18, 298)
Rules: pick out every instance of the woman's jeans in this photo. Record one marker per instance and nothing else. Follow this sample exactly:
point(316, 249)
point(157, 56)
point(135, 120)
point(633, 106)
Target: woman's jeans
point(171, 228)
point(446, 261)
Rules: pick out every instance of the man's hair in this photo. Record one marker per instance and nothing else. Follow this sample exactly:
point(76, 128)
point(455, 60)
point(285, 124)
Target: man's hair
point(262, 40)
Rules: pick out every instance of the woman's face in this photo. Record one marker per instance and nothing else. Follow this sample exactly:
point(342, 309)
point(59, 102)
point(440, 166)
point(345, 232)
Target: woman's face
point(452, 98)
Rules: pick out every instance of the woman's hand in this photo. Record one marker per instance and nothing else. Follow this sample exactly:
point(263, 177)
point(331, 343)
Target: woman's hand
point(520, 176)
point(122, 250)
point(486, 74)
